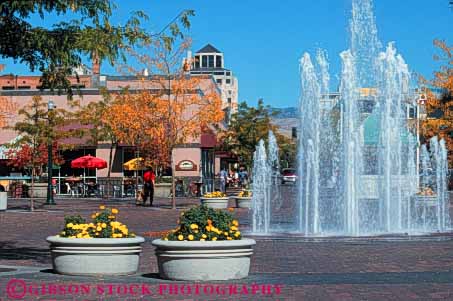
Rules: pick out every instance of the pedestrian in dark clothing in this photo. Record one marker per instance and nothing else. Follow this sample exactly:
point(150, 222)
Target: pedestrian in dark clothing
point(148, 178)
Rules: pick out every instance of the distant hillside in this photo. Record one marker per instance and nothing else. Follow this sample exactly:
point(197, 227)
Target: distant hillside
point(285, 112)
point(285, 120)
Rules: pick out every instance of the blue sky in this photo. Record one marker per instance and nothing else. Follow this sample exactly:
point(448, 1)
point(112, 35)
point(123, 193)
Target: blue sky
point(263, 40)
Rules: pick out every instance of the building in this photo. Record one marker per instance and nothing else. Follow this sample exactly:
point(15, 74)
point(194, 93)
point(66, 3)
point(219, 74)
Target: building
point(194, 161)
point(210, 61)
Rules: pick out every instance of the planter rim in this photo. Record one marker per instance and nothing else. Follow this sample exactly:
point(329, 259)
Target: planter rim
point(243, 197)
point(94, 241)
point(203, 244)
point(219, 198)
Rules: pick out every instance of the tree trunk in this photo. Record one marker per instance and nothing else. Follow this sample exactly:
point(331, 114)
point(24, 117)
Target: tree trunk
point(173, 190)
point(109, 184)
point(32, 194)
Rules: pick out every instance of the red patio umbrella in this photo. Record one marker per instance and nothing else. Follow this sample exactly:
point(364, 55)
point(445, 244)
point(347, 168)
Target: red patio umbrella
point(89, 162)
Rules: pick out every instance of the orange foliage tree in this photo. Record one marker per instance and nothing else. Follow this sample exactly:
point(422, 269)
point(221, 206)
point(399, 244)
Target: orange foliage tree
point(171, 108)
point(439, 100)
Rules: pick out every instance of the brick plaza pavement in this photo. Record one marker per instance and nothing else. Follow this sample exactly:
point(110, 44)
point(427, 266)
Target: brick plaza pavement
point(287, 268)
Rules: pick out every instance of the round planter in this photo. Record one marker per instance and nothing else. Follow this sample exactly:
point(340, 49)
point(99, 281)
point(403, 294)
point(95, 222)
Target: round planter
point(3, 200)
point(215, 203)
point(242, 202)
point(204, 260)
point(95, 256)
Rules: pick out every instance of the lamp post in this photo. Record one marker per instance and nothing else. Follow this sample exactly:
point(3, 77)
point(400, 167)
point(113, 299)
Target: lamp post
point(50, 200)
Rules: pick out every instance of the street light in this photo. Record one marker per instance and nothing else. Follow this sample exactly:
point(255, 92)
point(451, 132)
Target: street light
point(50, 200)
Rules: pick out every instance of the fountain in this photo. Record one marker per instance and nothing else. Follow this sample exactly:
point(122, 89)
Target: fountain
point(358, 174)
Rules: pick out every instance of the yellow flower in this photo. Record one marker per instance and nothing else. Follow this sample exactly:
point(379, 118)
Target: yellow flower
point(115, 211)
point(180, 237)
point(79, 235)
point(194, 226)
point(70, 225)
point(237, 234)
point(204, 236)
point(119, 235)
point(99, 228)
point(195, 231)
point(63, 233)
point(229, 238)
point(235, 223)
point(111, 216)
point(234, 228)
point(113, 235)
point(190, 237)
point(93, 216)
point(214, 238)
point(104, 225)
point(102, 207)
point(166, 238)
point(208, 228)
point(72, 236)
point(225, 233)
point(202, 239)
point(231, 209)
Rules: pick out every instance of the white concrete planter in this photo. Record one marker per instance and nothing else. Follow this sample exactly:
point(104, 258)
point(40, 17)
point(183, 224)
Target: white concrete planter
point(242, 202)
point(3, 200)
point(204, 260)
point(95, 256)
point(215, 203)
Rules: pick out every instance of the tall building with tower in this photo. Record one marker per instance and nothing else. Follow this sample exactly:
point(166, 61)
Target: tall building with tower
point(210, 61)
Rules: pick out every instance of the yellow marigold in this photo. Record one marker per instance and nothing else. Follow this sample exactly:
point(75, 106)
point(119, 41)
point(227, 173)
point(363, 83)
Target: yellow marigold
point(165, 238)
point(115, 211)
point(193, 226)
point(93, 216)
point(72, 236)
point(231, 209)
point(102, 207)
point(234, 228)
point(190, 237)
point(202, 239)
point(104, 225)
point(204, 236)
point(214, 238)
point(195, 231)
point(229, 238)
point(79, 235)
point(111, 217)
point(235, 223)
point(208, 228)
point(70, 225)
point(180, 237)
point(99, 228)
point(119, 235)
point(237, 234)
point(225, 233)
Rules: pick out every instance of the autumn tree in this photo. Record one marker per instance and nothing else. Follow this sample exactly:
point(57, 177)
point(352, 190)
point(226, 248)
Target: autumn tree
point(85, 30)
point(171, 109)
point(36, 128)
point(439, 100)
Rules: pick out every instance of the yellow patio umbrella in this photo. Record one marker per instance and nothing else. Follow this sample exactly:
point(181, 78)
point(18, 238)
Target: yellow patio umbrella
point(135, 164)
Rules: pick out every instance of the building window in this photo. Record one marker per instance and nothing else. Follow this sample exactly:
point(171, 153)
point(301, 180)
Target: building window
point(24, 87)
point(210, 61)
point(218, 61)
point(219, 81)
point(229, 100)
point(228, 73)
point(228, 81)
point(197, 62)
point(204, 61)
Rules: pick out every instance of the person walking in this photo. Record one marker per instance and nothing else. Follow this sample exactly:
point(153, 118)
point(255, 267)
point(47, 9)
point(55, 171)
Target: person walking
point(148, 178)
point(223, 180)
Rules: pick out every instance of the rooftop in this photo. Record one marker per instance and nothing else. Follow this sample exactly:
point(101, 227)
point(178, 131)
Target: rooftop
point(208, 49)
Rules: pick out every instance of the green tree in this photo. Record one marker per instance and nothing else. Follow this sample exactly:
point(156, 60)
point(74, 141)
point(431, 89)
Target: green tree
point(247, 127)
point(38, 127)
point(57, 50)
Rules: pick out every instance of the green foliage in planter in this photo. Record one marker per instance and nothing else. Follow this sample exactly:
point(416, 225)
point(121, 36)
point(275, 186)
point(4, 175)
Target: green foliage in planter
point(203, 223)
point(104, 225)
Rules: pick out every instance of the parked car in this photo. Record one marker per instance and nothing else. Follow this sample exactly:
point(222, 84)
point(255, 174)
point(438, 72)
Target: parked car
point(289, 175)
